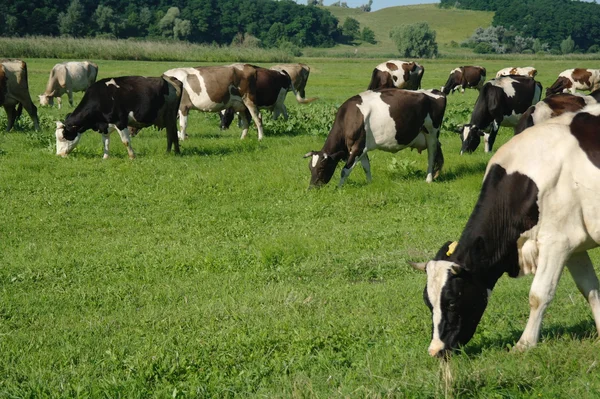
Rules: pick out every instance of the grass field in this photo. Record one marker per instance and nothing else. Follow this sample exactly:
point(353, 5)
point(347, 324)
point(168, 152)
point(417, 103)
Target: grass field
point(217, 274)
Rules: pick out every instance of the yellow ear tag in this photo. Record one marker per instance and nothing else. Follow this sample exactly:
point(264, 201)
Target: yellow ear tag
point(451, 248)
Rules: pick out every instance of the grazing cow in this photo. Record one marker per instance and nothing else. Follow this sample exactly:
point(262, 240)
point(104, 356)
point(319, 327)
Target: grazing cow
point(399, 74)
point(299, 75)
point(216, 88)
point(115, 104)
point(386, 119)
point(526, 71)
point(271, 89)
point(16, 92)
point(572, 80)
point(464, 76)
point(501, 102)
point(554, 106)
point(68, 77)
point(537, 211)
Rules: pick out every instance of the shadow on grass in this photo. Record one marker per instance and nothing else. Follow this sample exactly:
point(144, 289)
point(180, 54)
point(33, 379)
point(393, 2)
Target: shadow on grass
point(461, 171)
point(585, 329)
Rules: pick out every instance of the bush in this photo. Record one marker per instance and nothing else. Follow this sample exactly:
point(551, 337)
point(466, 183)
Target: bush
point(484, 48)
point(594, 48)
point(415, 41)
point(567, 46)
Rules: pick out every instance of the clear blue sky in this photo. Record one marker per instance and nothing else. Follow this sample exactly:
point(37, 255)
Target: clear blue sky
point(377, 4)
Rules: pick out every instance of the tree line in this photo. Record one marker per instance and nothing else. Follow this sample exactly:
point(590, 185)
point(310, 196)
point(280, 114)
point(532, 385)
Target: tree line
point(268, 22)
point(555, 22)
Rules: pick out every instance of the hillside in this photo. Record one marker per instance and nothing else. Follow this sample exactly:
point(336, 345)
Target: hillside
point(450, 24)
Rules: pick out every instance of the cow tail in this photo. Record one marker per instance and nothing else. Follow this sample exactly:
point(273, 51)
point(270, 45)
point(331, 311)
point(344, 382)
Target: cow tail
point(438, 161)
point(19, 111)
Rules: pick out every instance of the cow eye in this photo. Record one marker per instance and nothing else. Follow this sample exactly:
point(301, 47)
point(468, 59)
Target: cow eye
point(452, 306)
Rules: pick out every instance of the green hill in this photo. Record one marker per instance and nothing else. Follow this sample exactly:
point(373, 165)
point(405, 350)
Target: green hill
point(450, 24)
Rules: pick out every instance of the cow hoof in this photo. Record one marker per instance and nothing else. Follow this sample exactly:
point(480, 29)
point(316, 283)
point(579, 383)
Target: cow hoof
point(521, 347)
point(429, 179)
point(105, 156)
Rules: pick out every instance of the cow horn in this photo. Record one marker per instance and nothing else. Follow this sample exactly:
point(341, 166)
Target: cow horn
point(421, 266)
point(309, 154)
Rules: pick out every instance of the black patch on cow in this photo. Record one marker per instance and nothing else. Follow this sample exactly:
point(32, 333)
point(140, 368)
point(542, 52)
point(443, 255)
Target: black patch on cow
point(586, 129)
point(407, 123)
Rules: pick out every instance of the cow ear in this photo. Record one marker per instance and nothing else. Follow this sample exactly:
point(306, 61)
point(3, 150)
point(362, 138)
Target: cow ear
point(459, 128)
point(59, 125)
point(480, 132)
point(421, 266)
point(446, 250)
point(310, 154)
point(456, 270)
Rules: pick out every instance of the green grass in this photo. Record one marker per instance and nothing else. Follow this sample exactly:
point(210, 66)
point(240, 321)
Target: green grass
point(217, 274)
point(450, 25)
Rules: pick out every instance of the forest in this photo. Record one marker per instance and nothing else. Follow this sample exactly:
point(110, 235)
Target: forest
point(550, 21)
point(198, 21)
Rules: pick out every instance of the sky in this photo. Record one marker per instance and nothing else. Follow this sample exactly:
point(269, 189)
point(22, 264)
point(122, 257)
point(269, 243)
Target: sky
point(378, 4)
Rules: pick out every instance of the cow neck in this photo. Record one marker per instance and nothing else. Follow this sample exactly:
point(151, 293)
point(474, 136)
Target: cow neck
point(488, 244)
point(481, 116)
point(335, 141)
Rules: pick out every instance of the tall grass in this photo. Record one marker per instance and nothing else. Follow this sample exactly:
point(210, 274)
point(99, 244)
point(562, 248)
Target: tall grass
point(109, 49)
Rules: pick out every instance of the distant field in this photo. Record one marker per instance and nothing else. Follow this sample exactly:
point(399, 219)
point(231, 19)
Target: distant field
point(218, 274)
point(450, 24)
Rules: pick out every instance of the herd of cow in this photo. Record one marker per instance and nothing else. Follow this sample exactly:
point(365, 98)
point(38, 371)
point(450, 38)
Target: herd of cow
point(539, 203)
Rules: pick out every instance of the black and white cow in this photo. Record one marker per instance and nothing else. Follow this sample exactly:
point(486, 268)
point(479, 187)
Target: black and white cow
point(114, 104)
point(537, 212)
point(501, 102)
point(553, 106)
point(386, 119)
point(468, 76)
point(399, 74)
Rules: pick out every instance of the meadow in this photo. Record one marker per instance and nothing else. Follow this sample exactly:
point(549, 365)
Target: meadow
point(216, 273)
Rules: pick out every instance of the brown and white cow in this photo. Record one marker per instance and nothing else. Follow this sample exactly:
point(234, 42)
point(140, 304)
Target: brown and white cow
point(525, 71)
point(553, 106)
point(216, 88)
point(537, 212)
point(388, 120)
point(115, 104)
point(299, 75)
point(464, 77)
point(272, 87)
point(572, 80)
point(68, 77)
point(501, 102)
point(399, 74)
point(16, 92)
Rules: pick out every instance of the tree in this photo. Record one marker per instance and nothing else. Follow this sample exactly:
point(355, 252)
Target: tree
point(368, 35)
point(415, 40)
point(366, 7)
point(567, 46)
point(71, 23)
point(351, 28)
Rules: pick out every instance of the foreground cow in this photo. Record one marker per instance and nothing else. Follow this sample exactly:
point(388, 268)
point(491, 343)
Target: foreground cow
point(572, 80)
point(464, 77)
point(271, 89)
point(386, 119)
point(68, 77)
point(14, 91)
point(299, 75)
point(216, 88)
point(114, 104)
point(526, 71)
point(501, 102)
point(537, 211)
point(554, 106)
point(399, 74)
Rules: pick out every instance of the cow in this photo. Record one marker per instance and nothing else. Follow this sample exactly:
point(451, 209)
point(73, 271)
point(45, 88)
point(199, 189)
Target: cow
point(537, 211)
point(16, 92)
point(399, 74)
point(68, 77)
point(299, 75)
point(216, 88)
point(114, 104)
point(385, 119)
point(272, 87)
point(501, 102)
point(525, 71)
point(572, 80)
point(553, 106)
point(464, 77)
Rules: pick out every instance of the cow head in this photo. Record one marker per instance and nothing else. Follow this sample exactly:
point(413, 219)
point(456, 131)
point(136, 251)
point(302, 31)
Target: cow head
point(322, 166)
point(46, 101)
point(67, 138)
point(226, 118)
point(456, 299)
point(470, 136)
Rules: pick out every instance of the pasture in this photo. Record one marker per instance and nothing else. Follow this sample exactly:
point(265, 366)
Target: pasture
point(218, 274)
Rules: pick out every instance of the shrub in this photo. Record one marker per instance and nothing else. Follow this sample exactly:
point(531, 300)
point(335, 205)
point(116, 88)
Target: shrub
point(594, 48)
point(567, 46)
point(415, 41)
point(484, 48)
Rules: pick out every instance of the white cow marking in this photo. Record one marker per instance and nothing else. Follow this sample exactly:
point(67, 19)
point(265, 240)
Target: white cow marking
point(112, 82)
point(315, 160)
point(506, 84)
point(437, 276)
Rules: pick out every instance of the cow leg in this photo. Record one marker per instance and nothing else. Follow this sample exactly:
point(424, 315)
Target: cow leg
point(59, 102)
point(31, 110)
point(70, 94)
point(243, 118)
point(125, 139)
point(364, 161)
point(551, 261)
point(355, 156)
point(183, 117)
point(581, 268)
point(11, 116)
point(432, 141)
point(257, 118)
point(105, 145)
